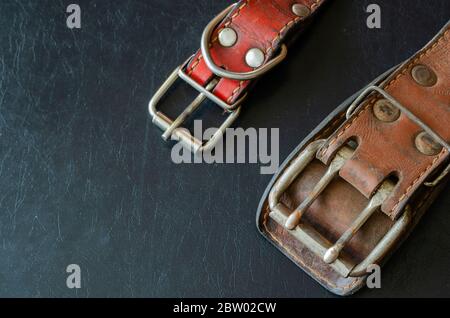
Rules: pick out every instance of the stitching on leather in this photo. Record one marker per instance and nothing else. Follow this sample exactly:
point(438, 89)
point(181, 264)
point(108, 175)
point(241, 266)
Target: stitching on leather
point(370, 103)
point(278, 36)
point(272, 47)
point(406, 193)
point(393, 81)
point(236, 90)
point(420, 204)
point(266, 214)
point(195, 64)
point(286, 26)
point(226, 24)
point(234, 16)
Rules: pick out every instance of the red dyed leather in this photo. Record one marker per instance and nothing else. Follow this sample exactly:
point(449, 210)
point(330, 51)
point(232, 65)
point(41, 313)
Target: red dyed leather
point(389, 148)
point(259, 24)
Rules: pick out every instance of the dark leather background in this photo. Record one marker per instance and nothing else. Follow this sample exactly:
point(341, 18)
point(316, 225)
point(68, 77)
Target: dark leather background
point(85, 177)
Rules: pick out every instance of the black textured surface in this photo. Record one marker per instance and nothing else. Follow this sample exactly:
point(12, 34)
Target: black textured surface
point(85, 177)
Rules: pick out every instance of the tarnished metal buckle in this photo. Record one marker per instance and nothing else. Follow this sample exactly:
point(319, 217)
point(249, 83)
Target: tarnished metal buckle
point(307, 235)
point(171, 127)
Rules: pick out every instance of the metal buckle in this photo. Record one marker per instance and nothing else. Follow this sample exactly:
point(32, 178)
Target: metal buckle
point(351, 110)
point(206, 36)
point(171, 127)
point(330, 253)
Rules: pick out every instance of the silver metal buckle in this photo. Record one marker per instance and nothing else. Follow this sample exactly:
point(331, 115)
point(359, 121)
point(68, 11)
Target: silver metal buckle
point(310, 237)
point(206, 36)
point(351, 110)
point(171, 127)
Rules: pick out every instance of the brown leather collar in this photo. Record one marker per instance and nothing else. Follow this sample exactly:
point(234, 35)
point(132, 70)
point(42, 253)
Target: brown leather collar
point(397, 147)
point(356, 186)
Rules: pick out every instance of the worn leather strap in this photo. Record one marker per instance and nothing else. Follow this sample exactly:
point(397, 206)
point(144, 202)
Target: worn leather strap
point(262, 24)
point(389, 148)
point(341, 215)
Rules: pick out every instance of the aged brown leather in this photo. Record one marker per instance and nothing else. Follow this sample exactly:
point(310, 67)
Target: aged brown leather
point(386, 149)
point(383, 148)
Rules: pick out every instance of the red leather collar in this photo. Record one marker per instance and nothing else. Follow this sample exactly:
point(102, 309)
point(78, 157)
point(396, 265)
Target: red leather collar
point(260, 24)
point(223, 69)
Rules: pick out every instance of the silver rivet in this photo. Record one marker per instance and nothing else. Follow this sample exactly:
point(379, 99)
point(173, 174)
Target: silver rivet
point(301, 10)
point(227, 37)
point(385, 111)
point(254, 58)
point(427, 145)
point(423, 75)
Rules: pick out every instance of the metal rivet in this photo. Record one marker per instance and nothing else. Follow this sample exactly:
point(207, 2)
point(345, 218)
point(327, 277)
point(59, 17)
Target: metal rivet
point(385, 111)
point(427, 145)
point(254, 58)
point(227, 37)
point(423, 75)
point(301, 10)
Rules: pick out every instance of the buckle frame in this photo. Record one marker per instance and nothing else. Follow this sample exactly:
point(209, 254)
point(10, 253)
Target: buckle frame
point(310, 237)
point(171, 127)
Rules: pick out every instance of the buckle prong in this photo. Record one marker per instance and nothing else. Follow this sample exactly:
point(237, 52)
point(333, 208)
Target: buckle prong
point(195, 104)
point(312, 239)
point(374, 204)
point(171, 127)
point(336, 164)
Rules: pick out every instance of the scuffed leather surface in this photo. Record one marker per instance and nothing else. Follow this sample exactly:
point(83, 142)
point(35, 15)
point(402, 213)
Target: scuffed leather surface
point(386, 149)
point(331, 214)
point(261, 24)
point(85, 177)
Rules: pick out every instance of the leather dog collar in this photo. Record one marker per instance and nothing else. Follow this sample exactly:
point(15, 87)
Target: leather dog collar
point(354, 189)
point(242, 43)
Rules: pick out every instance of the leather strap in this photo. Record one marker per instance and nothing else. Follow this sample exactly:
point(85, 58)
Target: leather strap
point(262, 24)
point(333, 227)
point(389, 148)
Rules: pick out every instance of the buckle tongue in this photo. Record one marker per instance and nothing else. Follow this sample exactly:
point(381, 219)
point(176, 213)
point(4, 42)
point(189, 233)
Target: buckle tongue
point(171, 127)
point(336, 164)
point(374, 204)
point(314, 240)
